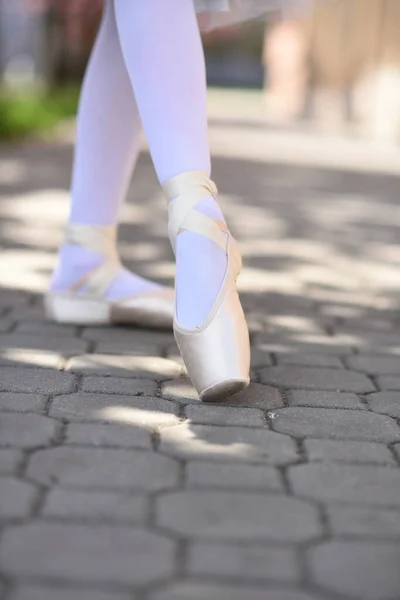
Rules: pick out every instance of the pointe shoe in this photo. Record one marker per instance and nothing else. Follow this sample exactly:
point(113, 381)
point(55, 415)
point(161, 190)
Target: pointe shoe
point(85, 302)
point(216, 354)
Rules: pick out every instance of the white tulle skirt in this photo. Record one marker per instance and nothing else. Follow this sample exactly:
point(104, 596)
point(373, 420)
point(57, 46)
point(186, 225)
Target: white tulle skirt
point(224, 12)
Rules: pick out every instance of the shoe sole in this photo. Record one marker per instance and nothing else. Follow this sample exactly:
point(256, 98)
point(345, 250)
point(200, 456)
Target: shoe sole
point(78, 310)
point(68, 309)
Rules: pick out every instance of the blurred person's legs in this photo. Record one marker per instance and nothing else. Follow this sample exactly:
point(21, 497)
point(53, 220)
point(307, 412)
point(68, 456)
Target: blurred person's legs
point(163, 54)
point(89, 284)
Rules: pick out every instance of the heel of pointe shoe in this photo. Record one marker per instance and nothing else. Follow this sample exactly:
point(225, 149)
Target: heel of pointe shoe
point(217, 357)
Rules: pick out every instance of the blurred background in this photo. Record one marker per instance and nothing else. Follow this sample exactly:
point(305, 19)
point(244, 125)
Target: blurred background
point(337, 67)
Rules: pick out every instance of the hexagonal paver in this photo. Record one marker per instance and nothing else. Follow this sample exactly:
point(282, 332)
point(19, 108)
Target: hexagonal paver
point(345, 483)
point(238, 515)
point(237, 444)
point(243, 562)
point(103, 468)
point(362, 570)
point(119, 385)
point(110, 555)
point(35, 381)
point(10, 460)
point(323, 399)
point(388, 382)
point(308, 378)
point(200, 591)
point(225, 415)
point(348, 451)
point(374, 365)
point(386, 403)
point(115, 409)
point(16, 498)
point(226, 475)
point(55, 346)
point(262, 397)
point(140, 338)
point(309, 360)
point(180, 390)
point(98, 506)
point(366, 522)
point(53, 593)
point(336, 424)
point(12, 402)
point(27, 431)
point(109, 435)
point(150, 367)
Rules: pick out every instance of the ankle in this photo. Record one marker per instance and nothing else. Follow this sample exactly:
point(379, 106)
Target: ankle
point(73, 263)
point(210, 207)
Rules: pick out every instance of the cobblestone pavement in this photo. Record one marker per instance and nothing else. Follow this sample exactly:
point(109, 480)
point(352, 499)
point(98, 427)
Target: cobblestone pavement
point(118, 484)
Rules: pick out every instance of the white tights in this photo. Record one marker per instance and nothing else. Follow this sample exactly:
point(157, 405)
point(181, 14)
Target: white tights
point(147, 67)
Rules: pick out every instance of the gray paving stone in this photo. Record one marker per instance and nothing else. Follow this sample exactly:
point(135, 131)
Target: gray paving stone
point(244, 562)
point(322, 399)
point(122, 436)
point(52, 593)
point(110, 555)
point(10, 460)
point(60, 345)
point(388, 382)
point(260, 358)
point(199, 591)
point(221, 475)
point(348, 451)
point(126, 410)
point(235, 444)
point(347, 483)
point(16, 498)
point(31, 358)
point(397, 451)
point(366, 522)
point(309, 360)
point(22, 312)
point(44, 327)
point(27, 430)
point(35, 381)
point(256, 395)
point(131, 348)
point(238, 516)
point(225, 415)
point(374, 365)
point(119, 385)
point(336, 424)
point(309, 378)
point(10, 298)
point(308, 343)
point(22, 402)
point(97, 506)
point(135, 337)
point(150, 367)
point(103, 468)
point(6, 324)
point(386, 403)
point(180, 390)
point(368, 572)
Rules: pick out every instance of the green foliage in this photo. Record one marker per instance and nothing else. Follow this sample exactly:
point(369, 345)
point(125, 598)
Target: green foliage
point(26, 112)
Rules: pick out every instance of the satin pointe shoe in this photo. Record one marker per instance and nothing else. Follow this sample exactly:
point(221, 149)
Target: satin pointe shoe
point(85, 302)
point(217, 353)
